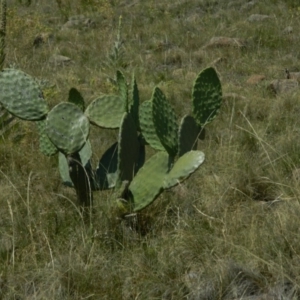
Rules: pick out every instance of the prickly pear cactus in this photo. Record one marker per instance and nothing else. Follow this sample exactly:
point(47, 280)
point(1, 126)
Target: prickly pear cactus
point(187, 135)
point(123, 159)
point(148, 183)
point(106, 175)
point(183, 168)
point(46, 146)
point(21, 95)
point(106, 111)
point(134, 102)
point(165, 122)
point(206, 96)
point(67, 127)
point(147, 126)
point(128, 148)
point(85, 155)
point(122, 89)
point(76, 98)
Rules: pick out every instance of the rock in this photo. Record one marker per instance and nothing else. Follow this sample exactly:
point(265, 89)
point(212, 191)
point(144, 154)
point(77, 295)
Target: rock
point(59, 60)
point(42, 38)
point(255, 79)
point(288, 30)
point(258, 18)
point(78, 22)
point(280, 86)
point(248, 5)
point(221, 41)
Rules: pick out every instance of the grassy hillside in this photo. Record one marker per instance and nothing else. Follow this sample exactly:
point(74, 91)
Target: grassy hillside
point(229, 232)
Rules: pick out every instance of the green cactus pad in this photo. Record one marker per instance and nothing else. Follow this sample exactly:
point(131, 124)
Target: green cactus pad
point(148, 183)
point(165, 123)
point(106, 111)
point(183, 167)
point(106, 173)
point(63, 168)
point(76, 98)
point(206, 96)
point(142, 154)
point(85, 155)
point(67, 127)
point(21, 95)
point(128, 148)
point(187, 135)
point(123, 89)
point(147, 126)
point(134, 102)
point(46, 146)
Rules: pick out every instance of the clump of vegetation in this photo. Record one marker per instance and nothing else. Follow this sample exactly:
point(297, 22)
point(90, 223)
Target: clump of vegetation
point(229, 231)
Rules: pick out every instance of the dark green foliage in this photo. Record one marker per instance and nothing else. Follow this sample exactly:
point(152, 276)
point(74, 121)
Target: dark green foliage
point(128, 150)
point(76, 98)
point(206, 96)
point(134, 102)
point(106, 111)
point(165, 122)
point(106, 174)
point(147, 126)
point(148, 184)
point(122, 89)
point(21, 95)
point(187, 135)
point(85, 155)
point(46, 146)
point(183, 167)
point(67, 127)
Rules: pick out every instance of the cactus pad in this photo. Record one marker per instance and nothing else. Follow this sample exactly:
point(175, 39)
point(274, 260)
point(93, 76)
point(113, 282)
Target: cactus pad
point(206, 96)
point(183, 167)
point(134, 102)
point(106, 111)
point(106, 173)
point(128, 148)
point(187, 135)
point(76, 98)
point(85, 155)
point(165, 123)
point(147, 126)
point(67, 127)
point(123, 89)
point(21, 95)
point(46, 146)
point(148, 183)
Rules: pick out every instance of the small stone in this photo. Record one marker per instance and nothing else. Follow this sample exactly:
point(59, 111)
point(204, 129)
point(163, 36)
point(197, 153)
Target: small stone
point(248, 6)
point(258, 18)
point(255, 79)
point(221, 41)
point(280, 86)
point(59, 60)
point(78, 22)
point(288, 30)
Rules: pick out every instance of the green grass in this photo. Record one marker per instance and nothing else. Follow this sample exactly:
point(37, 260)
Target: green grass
point(231, 230)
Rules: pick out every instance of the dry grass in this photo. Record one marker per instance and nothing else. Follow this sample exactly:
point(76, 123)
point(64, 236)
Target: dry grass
point(229, 232)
